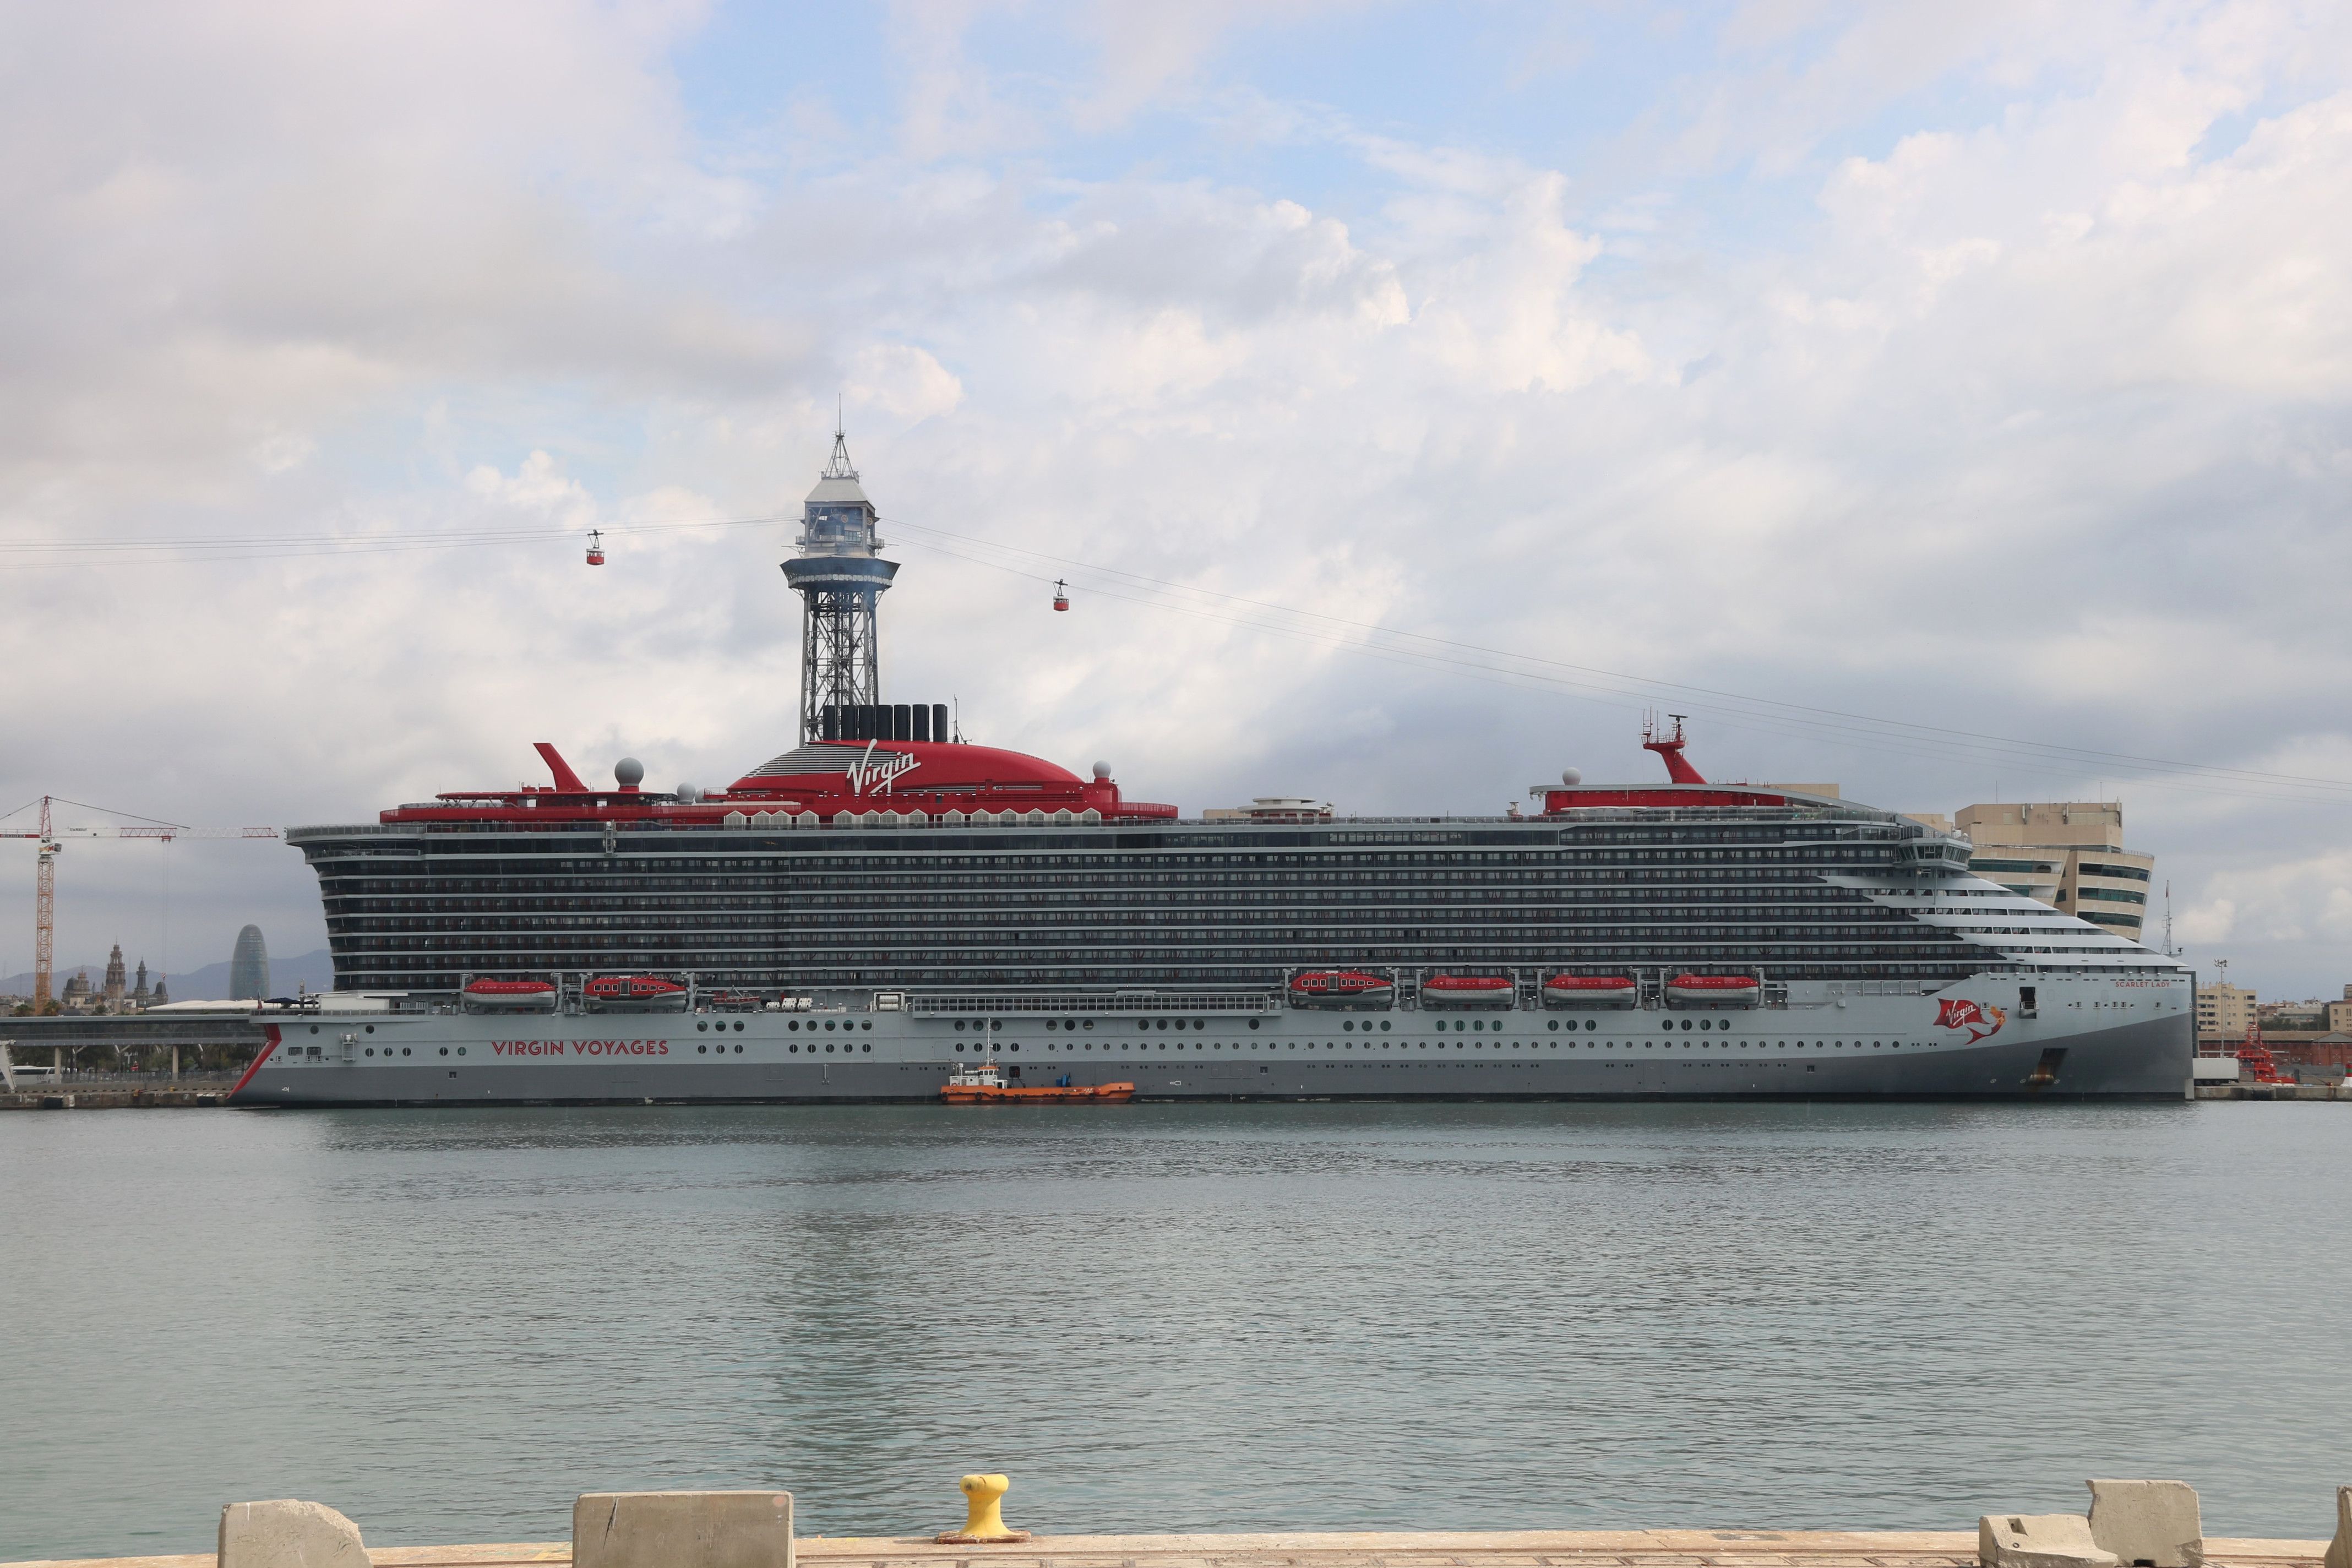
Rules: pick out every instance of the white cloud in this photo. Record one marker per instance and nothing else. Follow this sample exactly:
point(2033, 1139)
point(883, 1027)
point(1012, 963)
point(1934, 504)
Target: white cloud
point(2034, 426)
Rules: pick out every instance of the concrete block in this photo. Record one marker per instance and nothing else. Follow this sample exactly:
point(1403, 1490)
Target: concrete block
point(2039, 1540)
point(283, 1533)
point(2340, 1550)
point(682, 1530)
point(2150, 1523)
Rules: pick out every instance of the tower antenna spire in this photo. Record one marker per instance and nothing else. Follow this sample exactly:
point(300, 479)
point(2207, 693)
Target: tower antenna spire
point(839, 467)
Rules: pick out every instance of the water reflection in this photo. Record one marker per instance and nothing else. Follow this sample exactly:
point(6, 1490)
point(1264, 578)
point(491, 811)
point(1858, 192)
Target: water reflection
point(1163, 1318)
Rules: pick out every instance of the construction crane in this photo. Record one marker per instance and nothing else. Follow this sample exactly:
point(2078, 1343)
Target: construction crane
point(45, 875)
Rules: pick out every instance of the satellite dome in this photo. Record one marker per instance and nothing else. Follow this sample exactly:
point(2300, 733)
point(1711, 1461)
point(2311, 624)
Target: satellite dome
point(629, 772)
point(1102, 770)
point(1572, 778)
point(688, 793)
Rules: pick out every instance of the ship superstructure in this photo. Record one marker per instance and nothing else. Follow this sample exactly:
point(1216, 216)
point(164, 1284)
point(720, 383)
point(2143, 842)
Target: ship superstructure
point(846, 919)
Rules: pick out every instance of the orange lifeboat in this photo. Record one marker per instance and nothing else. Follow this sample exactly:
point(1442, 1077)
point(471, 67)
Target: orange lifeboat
point(1714, 991)
point(509, 995)
point(1342, 988)
point(635, 993)
point(1591, 991)
point(1469, 991)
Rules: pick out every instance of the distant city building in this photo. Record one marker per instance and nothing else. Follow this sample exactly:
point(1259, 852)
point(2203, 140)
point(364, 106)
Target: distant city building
point(2069, 855)
point(249, 967)
point(140, 995)
point(161, 994)
point(78, 996)
point(2223, 1012)
point(118, 983)
point(2310, 1035)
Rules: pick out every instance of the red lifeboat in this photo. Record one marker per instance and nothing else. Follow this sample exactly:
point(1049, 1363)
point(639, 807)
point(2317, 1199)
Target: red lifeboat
point(1591, 991)
point(1469, 991)
point(509, 995)
point(1714, 991)
point(634, 992)
point(1342, 988)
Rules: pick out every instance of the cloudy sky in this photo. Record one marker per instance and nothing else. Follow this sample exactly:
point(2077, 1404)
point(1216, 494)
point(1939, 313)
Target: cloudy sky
point(1946, 400)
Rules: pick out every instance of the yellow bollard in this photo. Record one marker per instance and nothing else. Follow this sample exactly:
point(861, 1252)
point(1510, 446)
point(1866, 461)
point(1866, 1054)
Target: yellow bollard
point(983, 1515)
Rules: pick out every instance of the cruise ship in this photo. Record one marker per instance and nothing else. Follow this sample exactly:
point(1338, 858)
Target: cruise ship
point(884, 903)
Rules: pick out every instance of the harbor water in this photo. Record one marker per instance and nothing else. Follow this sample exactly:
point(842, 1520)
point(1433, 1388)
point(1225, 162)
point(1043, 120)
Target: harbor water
point(1170, 1318)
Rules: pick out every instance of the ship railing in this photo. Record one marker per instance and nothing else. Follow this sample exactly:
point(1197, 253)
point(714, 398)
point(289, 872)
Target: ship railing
point(1089, 1004)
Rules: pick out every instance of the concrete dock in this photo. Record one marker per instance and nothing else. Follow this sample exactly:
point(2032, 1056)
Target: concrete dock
point(1483, 1549)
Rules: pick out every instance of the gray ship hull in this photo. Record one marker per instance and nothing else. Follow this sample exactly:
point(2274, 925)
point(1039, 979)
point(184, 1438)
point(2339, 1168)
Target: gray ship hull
point(2091, 1037)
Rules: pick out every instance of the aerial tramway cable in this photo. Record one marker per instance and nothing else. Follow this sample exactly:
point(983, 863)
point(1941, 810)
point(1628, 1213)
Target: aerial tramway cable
point(1521, 672)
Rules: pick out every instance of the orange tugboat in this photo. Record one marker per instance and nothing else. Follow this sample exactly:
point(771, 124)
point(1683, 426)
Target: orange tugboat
point(982, 1083)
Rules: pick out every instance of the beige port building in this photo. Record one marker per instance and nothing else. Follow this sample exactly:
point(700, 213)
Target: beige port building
point(2069, 855)
point(2223, 1011)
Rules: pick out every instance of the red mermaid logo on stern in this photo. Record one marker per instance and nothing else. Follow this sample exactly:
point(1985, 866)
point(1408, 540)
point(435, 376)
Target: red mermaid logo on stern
point(1978, 1018)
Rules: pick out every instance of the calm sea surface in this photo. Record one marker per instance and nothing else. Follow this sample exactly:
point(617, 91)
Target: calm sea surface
point(1171, 1318)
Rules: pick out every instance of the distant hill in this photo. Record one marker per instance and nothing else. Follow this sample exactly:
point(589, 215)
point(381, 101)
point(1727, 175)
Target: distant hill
point(314, 970)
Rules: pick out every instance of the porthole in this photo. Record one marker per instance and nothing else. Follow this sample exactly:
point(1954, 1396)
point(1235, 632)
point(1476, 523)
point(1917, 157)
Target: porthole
point(1592, 1022)
point(794, 1024)
point(1199, 1023)
point(1350, 1026)
point(404, 1050)
point(445, 1050)
point(739, 1026)
point(1706, 1023)
point(1554, 1026)
point(1669, 1024)
point(314, 1028)
point(866, 1025)
point(702, 1050)
point(701, 1028)
point(739, 1050)
point(370, 1028)
point(1384, 1024)
point(828, 1047)
point(1014, 1046)
point(828, 1026)
point(371, 1050)
point(461, 1050)
point(959, 1026)
point(868, 1045)
point(1254, 1023)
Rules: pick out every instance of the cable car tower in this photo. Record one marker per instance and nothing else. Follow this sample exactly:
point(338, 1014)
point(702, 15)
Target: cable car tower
point(839, 578)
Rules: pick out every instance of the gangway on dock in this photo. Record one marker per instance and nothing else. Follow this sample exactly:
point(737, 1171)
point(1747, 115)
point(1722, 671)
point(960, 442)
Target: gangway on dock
point(11, 1070)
